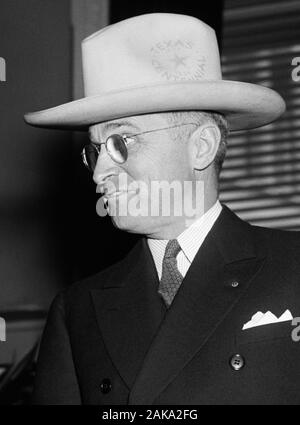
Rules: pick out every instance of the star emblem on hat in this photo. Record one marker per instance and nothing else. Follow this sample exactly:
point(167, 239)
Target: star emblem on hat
point(177, 60)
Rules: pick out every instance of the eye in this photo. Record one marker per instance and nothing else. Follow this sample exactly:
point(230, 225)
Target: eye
point(97, 147)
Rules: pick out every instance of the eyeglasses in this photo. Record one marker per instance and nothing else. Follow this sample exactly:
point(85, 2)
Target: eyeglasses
point(116, 147)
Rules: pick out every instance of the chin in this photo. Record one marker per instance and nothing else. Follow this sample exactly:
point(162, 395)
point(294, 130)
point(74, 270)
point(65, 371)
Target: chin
point(129, 224)
point(140, 222)
point(138, 225)
point(146, 226)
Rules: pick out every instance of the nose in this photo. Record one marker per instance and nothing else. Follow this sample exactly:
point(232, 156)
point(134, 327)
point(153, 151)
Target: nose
point(105, 167)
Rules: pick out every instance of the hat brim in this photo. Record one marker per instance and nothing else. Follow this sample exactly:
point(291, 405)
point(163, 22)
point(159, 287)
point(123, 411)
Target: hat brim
point(245, 105)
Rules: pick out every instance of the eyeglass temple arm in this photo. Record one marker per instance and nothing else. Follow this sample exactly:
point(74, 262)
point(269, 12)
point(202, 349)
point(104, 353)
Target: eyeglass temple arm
point(164, 128)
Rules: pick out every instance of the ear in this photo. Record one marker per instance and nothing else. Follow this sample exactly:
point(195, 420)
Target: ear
point(205, 142)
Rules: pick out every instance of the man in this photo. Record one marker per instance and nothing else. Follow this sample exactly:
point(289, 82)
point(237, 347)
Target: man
point(200, 311)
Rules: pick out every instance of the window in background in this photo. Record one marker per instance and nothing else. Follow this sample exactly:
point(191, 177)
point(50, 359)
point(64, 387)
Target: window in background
point(261, 176)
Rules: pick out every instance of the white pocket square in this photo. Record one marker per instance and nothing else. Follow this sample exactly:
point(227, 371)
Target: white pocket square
point(261, 319)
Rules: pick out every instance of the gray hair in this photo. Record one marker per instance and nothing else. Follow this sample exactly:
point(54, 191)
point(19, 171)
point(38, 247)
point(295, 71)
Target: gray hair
point(200, 117)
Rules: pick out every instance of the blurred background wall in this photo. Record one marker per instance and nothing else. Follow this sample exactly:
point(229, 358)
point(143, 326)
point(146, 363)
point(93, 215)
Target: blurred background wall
point(261, 176)
point(36, 43)
point(35, 40)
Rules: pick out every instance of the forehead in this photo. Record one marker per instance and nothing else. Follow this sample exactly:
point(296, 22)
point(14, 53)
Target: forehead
point(138, 123)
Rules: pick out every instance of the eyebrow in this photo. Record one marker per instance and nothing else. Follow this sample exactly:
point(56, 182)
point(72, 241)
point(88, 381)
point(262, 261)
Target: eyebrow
point(108, 126)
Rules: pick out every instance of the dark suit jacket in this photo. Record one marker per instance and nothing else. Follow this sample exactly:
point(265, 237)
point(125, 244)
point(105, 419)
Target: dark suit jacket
point(113, 328)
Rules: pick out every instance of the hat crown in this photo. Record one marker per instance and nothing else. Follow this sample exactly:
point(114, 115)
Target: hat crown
point(150, 49)
point(156, 63)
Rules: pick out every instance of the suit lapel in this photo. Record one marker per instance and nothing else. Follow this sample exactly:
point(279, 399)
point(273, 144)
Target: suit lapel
point(203, 301)
point(129, 311)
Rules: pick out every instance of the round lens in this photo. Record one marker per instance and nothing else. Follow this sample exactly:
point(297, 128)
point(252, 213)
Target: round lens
point(90, 156)
point(116, 148)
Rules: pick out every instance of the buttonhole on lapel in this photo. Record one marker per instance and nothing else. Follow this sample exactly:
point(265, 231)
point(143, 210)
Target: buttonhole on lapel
point(232, 283)
point(106, 386)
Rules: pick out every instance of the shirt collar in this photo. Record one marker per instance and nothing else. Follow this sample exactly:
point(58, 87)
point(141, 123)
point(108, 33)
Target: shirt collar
point(190, 240)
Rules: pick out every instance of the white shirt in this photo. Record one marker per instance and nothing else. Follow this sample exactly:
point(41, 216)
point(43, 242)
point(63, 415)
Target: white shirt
point(190, 241)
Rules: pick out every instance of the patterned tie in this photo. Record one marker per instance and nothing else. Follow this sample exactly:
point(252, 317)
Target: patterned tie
point(171, 278)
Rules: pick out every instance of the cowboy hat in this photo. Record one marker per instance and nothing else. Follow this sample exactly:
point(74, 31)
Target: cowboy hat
point(155, 63)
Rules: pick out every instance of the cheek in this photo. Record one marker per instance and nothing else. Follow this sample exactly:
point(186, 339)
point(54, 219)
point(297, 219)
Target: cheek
point(146, 164)
point(172, 164)
point(158, 162)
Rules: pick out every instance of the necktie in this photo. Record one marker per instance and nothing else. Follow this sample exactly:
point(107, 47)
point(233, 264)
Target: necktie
point(171, 278)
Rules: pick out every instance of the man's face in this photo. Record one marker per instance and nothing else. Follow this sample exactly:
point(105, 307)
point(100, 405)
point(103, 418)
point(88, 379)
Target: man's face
point(152, 157)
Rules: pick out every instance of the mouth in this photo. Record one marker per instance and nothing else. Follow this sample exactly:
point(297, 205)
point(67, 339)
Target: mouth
point(116, 194)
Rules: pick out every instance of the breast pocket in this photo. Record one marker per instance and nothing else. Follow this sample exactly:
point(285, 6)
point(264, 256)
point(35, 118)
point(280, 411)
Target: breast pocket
point(265, 333)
